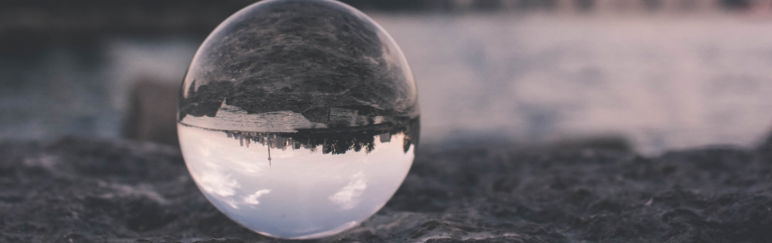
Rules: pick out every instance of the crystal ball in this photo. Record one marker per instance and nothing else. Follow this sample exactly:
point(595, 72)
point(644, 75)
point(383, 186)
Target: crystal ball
point(298, 118)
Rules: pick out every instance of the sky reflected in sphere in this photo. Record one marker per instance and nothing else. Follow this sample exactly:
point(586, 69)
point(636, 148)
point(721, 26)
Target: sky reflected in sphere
point(299, 193)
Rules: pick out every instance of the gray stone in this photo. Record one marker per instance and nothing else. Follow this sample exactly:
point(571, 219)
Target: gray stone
point(151, 113)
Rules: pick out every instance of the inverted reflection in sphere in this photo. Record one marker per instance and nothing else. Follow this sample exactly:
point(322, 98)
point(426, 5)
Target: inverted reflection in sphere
point(298, 118)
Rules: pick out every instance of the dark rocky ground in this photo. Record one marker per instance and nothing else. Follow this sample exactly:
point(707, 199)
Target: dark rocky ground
point(86, 190)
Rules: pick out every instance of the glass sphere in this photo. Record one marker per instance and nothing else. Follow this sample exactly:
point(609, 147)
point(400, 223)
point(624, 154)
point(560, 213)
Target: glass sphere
point(298, 118)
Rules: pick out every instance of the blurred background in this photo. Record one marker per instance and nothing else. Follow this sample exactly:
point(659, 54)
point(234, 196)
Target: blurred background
point(654, 75)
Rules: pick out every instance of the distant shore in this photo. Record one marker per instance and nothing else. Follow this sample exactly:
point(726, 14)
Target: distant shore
point(198, 17)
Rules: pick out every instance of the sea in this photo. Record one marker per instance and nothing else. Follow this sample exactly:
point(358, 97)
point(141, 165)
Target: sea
point(659, 82)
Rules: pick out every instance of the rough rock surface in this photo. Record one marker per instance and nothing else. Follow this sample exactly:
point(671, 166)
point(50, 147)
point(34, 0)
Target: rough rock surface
point(85, 190)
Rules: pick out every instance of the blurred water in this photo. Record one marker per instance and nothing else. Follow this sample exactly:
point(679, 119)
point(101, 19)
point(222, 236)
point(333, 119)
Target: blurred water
point(82, 88)
point(662, 82)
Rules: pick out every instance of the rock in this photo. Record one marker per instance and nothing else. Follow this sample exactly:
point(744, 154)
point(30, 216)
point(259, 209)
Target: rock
point(767, 142)
point(152, 110)
point(88, 190)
